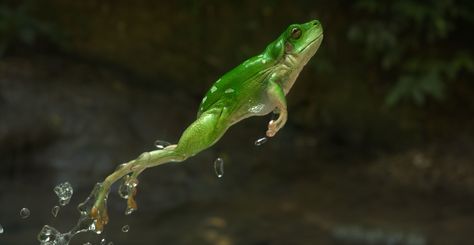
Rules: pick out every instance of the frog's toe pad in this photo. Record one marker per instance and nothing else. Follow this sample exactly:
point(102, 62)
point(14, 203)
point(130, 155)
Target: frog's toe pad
point(272, 128)
point(100, 217)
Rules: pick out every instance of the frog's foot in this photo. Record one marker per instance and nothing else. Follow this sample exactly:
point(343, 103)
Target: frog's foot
point(273, 127)
point(131, 203)
point(98, 212)
point(131, 184)
point(99, 215)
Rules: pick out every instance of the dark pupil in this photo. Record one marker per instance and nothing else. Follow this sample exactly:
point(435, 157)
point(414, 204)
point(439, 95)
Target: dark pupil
point(296, 33)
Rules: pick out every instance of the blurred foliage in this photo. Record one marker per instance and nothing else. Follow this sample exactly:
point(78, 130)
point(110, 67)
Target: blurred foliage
point(404, 37)
point(19, 27)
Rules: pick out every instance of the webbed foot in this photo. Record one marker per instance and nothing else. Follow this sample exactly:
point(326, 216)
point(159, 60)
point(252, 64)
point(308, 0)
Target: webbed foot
point(99, 215)
point(132, 206)
point(273, 127)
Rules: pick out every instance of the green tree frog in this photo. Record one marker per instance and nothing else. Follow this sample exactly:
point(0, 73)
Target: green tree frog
point(254, 88)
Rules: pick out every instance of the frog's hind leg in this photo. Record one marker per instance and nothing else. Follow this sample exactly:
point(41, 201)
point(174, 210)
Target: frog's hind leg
point(201, 134)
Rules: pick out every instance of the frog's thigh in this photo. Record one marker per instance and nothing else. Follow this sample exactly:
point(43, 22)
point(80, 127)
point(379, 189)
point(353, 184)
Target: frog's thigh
point(203, 132)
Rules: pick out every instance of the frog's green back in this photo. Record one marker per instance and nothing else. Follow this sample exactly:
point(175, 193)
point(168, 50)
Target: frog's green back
point(231, 83)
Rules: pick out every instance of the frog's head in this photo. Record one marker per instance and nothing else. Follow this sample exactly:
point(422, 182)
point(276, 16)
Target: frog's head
point(295, 46)
point(301, 40)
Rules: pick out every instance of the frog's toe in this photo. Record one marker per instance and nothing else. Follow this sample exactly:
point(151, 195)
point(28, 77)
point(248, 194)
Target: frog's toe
point(100, 217)
point(272, 125)
point(270, 133)
point(272, 128)
point(131, 203)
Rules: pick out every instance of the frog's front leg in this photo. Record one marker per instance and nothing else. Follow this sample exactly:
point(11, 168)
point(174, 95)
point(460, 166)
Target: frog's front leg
point(277, 98)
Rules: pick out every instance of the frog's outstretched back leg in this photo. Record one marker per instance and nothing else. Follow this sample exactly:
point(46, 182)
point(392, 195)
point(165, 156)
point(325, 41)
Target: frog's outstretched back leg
point(201, 134)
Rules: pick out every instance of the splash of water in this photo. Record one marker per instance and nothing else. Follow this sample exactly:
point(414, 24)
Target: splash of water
point(219, 167)
point(51, 236)
point(64, 192)
point(1, 229)
point(85, 222)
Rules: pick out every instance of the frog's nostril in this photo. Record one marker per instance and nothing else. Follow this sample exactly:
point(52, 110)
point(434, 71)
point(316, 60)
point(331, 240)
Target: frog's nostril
point(316, 22)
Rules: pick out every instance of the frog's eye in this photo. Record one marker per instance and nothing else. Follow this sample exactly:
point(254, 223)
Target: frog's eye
point(295, 33)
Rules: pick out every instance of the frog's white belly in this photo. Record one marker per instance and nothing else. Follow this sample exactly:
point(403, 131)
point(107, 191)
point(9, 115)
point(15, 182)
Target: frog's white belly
point(253, 107)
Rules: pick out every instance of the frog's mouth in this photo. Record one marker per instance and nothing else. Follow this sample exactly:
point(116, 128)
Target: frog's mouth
point(313, 44)
point(309, 50)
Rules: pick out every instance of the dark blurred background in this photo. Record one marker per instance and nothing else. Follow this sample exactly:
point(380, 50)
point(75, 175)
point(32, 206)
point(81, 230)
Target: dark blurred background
point(378, 148)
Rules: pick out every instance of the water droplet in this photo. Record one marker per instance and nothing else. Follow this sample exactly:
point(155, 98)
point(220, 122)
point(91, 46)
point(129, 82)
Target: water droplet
point(123, 190)
point(85, 223)
point(127, 187)
point(261, 141)
point(125, 228)
point(1, 229)
point(24, 213)
point(85, 206)
point(161, 144)
point(219, 167)
point(47, 234)
point(50, 236)
point(102, 242)
point(64, 192)
point(129, 211)
point(55, 211)
point(127, 190)
point(87, 243)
